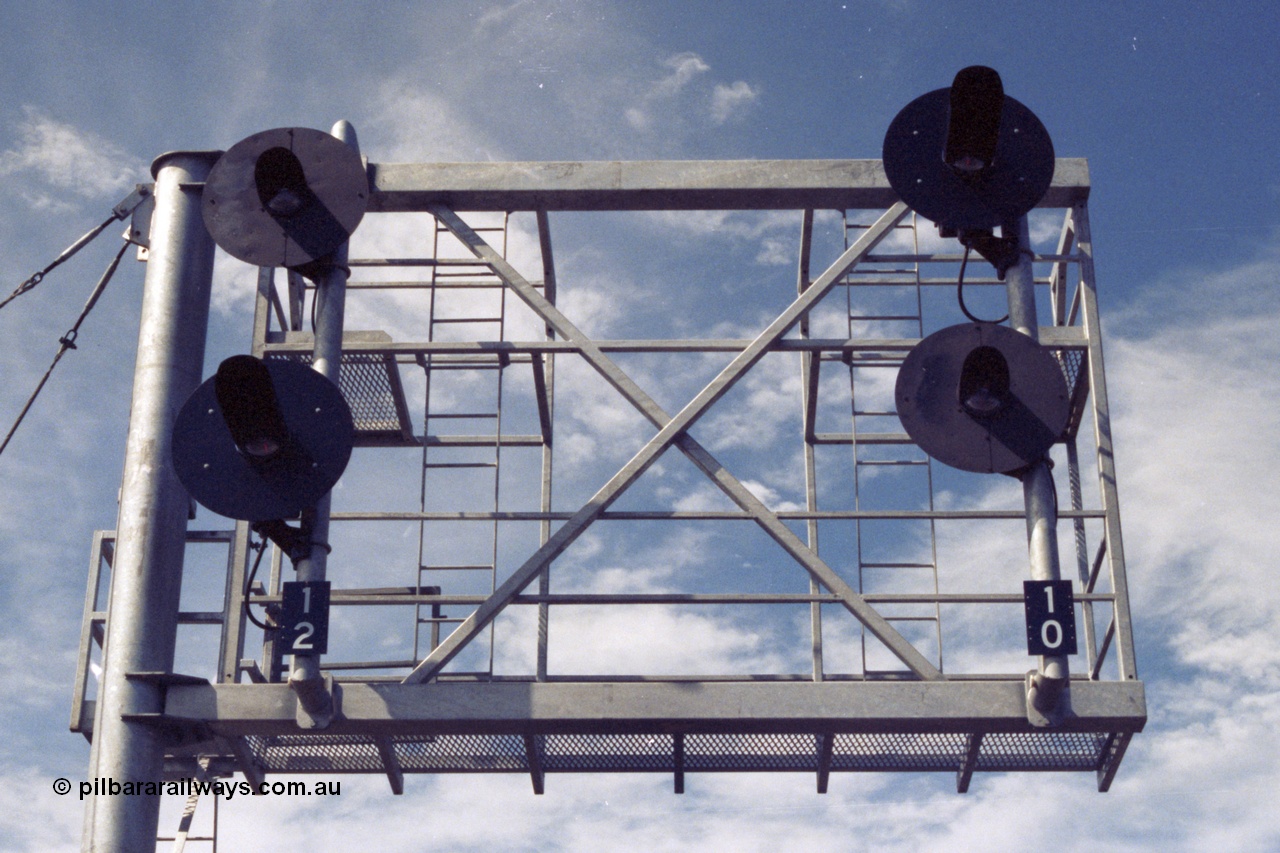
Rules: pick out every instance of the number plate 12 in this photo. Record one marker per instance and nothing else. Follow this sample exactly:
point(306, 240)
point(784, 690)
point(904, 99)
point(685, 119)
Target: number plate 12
point(1051, 617)
point(304, 617)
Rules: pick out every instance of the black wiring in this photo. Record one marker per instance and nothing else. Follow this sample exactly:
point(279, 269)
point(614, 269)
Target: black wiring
point(960, 293)
point(261, 548)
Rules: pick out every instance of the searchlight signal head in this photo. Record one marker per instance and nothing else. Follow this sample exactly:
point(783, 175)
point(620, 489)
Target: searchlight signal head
point(288, 197)
point(281, 182)
point(971, 159)
point(262, 441)
point(983, 398)
point(250, 410)
point(973, 120)
point(983, 390)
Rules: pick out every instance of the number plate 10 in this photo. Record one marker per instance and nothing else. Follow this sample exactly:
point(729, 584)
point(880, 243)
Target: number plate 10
point(304, 617)
point(1051, 617)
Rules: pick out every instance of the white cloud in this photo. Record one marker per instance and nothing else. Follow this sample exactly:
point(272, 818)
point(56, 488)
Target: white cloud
point(1194, 405)
point(68, 160)
point(414, 124)
point(686, 95)
point(731, 101)
point(707, 497)
point(684, 67)
point(759, 411)
point(32, 818)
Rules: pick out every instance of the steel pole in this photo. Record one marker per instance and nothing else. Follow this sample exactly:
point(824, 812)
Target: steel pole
point(142, 612)
point(314, 695)
point(1038, 491)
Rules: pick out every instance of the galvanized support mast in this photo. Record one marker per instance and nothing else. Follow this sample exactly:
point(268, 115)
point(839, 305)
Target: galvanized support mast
point(315, 695)
point(1045, 687)
point(143, 610)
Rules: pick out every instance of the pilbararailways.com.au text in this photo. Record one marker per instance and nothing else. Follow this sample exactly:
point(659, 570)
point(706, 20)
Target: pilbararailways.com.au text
point(229, 790)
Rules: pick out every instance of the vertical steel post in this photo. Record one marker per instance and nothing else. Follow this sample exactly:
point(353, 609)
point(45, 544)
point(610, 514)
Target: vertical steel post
point(314, 695)
point(1045, 687)
point(142, 620)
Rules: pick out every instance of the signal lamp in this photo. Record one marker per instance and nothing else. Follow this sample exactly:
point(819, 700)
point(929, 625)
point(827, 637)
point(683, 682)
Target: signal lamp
point(249, 406)
point(982, 397)
point(281, 182)
point(287, 197)
point(969, 158)
point(262, 441)
point(984, 382)
point(973, 120)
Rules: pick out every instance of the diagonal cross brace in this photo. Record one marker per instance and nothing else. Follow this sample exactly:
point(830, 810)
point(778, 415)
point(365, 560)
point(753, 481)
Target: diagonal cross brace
point(672, 431)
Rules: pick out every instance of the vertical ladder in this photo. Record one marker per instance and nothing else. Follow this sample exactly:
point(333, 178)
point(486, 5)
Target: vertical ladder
point(461, 447)
point(885, 300)
point(183, 835)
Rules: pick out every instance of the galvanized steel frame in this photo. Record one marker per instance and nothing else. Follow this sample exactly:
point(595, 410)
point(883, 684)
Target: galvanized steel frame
point(226, 717)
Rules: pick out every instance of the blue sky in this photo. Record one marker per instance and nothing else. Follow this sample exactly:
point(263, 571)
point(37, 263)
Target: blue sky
point(1174, 105)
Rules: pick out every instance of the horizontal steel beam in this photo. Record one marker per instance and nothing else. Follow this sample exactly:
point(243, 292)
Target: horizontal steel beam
point(404, 596)
point(1054, 337)
point(661, 185)
point(614, 707)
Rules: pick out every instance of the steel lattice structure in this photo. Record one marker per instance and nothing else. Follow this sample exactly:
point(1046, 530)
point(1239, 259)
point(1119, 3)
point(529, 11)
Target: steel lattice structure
point(474, 395)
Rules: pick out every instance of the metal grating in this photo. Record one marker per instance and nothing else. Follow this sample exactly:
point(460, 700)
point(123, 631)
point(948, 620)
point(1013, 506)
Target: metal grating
point(370, 384)
point(608, 753)
point(1042, 751)
point(899, 751)
point(751, 752)
point(1072, 362)
point(316, 753)
point(702, 752)
point(461, 754)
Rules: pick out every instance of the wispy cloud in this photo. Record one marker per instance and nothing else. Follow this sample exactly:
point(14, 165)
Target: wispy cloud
point(732, 101)
point(677, 97)
point(57, 159)
point(684, 67)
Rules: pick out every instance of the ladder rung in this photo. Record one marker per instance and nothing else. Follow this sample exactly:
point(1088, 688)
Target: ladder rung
point(437, 363)
point(394, 262)
point(460, 465)
point(891, 462)
point(439, 320)
point(465, 415)
point(464, 363)
point(872, 413)
point(862, 438)
point(510, 440)
point(883, 438)
point(883, 317)
point(482, 567)
point(896, 565)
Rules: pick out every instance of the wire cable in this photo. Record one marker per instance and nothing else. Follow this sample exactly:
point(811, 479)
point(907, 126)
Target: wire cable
point(261, 548)
point(30, 283)
point(68, 340)
point(960, 293)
